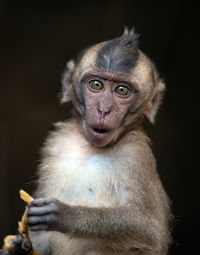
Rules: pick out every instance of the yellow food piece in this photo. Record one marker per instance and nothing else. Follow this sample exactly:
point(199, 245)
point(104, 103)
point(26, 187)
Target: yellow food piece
point(25, 196)
point(34, 253)
point(23, 230)
point(8, 245)
point(22, 224)
point(7, 242)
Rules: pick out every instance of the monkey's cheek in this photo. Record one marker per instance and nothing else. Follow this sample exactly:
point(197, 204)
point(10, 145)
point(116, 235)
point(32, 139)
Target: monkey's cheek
point(100, 139)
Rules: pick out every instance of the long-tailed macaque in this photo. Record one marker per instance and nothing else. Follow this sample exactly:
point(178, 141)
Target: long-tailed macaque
point(98, 190)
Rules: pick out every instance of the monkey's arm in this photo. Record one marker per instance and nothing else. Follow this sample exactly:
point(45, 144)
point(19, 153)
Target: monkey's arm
point(107, 223)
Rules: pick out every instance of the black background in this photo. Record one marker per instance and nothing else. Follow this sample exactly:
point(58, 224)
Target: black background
point(36, 40)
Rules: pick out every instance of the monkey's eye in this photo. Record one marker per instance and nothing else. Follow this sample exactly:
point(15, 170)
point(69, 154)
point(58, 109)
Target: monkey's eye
point(122, 90)
point(96, 85)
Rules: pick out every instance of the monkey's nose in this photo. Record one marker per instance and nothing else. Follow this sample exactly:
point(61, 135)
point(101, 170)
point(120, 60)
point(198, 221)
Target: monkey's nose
point(103, 111)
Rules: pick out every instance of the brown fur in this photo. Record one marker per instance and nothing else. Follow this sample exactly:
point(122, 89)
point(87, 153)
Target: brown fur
point(108, 198)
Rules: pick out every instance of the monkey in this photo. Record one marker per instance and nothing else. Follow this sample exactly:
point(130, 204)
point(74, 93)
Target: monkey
point(99, 192)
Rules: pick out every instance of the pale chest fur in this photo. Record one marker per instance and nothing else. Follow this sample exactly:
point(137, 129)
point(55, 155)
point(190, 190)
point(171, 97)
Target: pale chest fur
point(92, 182)
point(83, 176)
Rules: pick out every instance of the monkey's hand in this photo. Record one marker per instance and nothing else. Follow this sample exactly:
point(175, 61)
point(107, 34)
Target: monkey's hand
point(44, 214)
point(17, 245)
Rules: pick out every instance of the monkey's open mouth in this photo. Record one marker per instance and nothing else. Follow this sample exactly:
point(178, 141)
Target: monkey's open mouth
point(100, 130)
point(99, 135)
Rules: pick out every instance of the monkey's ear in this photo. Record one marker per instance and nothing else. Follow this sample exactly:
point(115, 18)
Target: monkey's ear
point(67, 82)
point(155, 100)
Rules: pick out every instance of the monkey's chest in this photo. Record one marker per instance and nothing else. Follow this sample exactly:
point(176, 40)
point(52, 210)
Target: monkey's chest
point(93, 182)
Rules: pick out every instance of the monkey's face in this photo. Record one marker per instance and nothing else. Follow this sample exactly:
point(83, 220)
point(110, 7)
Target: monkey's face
point(112, 86)
point(107, 103)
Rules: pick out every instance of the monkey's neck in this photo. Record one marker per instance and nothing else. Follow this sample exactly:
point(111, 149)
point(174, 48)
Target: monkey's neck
point(71, 138)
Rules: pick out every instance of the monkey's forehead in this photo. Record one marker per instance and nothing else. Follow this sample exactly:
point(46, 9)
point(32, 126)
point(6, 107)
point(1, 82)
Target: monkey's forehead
point(99, 58)
point(117, 55)
point(88, 59)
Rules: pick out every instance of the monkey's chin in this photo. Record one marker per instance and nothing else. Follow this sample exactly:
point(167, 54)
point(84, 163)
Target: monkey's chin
point(100, 137)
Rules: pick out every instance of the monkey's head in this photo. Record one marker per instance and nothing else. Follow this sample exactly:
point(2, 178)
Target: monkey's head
point(112, 86)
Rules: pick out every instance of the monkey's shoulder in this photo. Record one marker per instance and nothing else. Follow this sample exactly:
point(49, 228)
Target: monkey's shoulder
point(66, 139)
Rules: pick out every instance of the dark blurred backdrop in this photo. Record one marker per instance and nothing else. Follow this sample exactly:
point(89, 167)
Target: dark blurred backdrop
point(36, 40)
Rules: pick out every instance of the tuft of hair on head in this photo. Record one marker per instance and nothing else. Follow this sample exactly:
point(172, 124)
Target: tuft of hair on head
point(127, 32)
point(119, 54)
point(130, 37)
